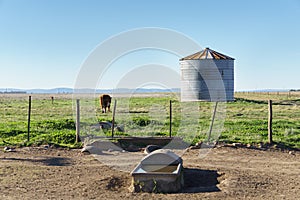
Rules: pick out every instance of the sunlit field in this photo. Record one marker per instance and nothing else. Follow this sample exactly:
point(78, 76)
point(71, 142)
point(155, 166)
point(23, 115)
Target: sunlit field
point(246, 119)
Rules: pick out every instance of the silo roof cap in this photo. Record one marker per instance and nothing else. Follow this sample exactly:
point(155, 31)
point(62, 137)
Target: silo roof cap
point(207, 53)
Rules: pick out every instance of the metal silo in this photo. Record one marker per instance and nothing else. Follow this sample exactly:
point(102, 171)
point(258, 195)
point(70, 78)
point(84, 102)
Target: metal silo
point(207, 76)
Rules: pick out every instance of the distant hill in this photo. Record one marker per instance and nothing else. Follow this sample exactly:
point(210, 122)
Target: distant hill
point(266, 90)
point(118, 90)
point(70, 90)
point(36, 91)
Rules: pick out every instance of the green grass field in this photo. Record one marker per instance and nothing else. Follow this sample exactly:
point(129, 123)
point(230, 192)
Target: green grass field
point(246, 119)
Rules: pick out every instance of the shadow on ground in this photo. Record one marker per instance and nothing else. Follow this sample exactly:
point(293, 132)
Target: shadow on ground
point(49, 161)
point(198, 180)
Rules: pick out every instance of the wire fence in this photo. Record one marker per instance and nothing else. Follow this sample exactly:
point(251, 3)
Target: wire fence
point(53, 118)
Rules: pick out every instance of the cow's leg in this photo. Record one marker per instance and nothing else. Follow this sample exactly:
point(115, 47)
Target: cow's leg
point(108, 105)
point(101, 103)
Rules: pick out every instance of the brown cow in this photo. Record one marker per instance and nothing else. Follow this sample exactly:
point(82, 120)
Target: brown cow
point(105, 101)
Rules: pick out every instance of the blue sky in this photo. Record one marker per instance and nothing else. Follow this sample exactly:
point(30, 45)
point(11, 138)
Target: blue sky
point(43, 43)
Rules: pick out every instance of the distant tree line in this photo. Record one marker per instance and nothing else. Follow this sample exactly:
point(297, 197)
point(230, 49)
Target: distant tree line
point(13, 92)
point(295, 90)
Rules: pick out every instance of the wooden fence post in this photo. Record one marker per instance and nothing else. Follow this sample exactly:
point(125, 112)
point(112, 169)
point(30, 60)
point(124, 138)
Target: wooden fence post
point(113, 119)
point(77, 120)
point(170, 130)
point(28, 123)
point(270, 122)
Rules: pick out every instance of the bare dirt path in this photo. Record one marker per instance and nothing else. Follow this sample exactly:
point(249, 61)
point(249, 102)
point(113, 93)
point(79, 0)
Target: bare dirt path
point(225, 173)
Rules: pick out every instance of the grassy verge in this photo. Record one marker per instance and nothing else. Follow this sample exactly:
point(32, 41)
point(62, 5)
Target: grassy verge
point(246, 119)
point(50, 123)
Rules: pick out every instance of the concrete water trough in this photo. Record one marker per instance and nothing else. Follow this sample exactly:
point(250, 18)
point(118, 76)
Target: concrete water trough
point(160, 171)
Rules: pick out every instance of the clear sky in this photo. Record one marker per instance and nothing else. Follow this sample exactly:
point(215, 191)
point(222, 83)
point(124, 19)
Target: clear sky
point(43, 43)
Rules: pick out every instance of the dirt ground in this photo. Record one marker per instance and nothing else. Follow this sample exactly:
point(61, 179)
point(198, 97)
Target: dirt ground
point(225, 173)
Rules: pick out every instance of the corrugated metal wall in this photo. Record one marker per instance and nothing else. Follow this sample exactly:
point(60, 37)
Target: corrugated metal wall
point(207, 80)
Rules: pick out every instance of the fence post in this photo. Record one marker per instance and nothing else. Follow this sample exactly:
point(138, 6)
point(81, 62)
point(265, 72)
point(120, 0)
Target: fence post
point(113, 119)
point(212, 121)
point(270, 122)
point(170, 130)
point(28, 123)
point(77, 120)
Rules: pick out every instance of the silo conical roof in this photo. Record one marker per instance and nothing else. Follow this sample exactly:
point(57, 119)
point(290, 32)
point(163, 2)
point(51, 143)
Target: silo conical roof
point(207, 53)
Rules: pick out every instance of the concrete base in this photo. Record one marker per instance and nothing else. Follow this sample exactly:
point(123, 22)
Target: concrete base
point(168, 179)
